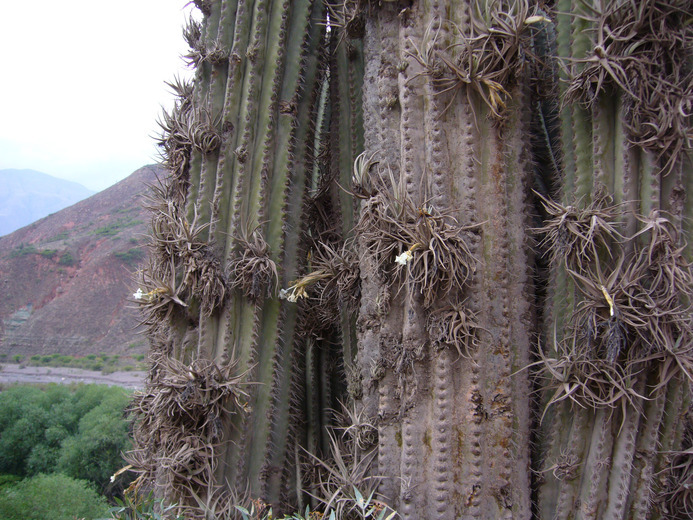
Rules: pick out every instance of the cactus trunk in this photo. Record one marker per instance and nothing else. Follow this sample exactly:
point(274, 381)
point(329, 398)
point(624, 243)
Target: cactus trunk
point(611, 383)
point(438, 360)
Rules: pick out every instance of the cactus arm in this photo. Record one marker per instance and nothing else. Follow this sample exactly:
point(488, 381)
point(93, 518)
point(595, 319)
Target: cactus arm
point(563, 43)
point(581, 133)
point(596, 466)
point(617, 455)
point(568, 485)
point(230, 118)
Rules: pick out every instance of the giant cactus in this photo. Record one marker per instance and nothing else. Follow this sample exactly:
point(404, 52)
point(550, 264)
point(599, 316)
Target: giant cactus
point(349, 222)
point(617, 372)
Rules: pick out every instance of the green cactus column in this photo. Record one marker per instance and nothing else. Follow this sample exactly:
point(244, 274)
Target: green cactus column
point(226, 392)
point(617, 371)
point(446, 319)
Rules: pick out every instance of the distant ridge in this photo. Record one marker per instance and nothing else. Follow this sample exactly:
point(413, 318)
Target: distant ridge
point(66, 279)
point(28, 195)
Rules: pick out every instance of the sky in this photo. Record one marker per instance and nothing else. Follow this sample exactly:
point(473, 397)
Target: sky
point(83, 84)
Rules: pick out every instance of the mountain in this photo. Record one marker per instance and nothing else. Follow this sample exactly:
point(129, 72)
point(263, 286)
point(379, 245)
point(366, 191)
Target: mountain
point(28, 195)
point(67, 278)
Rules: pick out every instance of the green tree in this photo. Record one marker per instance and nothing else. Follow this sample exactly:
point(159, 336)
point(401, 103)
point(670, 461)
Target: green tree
point(80, 431)
point(96, 450)
point(57, 497)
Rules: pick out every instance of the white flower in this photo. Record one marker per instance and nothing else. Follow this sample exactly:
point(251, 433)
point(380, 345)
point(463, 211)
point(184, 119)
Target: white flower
point(404, 258)
point(138, 295)
point(293, 293)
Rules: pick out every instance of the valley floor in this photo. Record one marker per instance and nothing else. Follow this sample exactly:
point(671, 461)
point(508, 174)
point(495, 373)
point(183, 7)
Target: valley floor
point(10, 373)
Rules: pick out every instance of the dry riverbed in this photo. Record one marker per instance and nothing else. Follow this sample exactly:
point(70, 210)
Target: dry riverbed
point(10, 373)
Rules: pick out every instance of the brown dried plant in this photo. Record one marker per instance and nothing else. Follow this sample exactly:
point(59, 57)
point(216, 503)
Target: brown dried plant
point(642, 50)
point(634, 314)
point(454, 325)
point(252, 271)
point(575, 234)
point(348, 17)
point(486, 57)
point(338, 478)
point(572, 372)
point(333, 276)
point(416, 242)
point(178, 428)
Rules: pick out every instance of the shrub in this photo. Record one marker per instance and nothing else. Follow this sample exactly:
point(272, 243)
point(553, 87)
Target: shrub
point(56, 496)
point(94, 453)
point(130, 257)
point(66, 259)
point(23, 250)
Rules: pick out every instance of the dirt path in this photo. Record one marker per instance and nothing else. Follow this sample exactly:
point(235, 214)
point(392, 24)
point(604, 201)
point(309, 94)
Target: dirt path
point(14, 374)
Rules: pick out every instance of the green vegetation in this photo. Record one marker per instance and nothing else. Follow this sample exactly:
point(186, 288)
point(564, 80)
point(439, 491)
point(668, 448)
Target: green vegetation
point(63, 235)
point(22, 250)
point(55, 497)
point(142, 508)
point(78, 431)
point(116, 227)
point(66, 259)
point(130, 257)
point(102, 362)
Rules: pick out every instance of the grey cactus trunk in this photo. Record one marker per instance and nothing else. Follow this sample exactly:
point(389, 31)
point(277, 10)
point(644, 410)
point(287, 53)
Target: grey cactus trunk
point(395, 254)
point(439, 355)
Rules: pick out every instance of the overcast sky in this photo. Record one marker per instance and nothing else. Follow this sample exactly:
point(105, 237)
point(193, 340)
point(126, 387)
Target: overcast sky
point(83, 84)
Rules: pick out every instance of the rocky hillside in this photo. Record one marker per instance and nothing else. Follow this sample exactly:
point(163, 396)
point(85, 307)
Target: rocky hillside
point(67, 278)
point(28, 195)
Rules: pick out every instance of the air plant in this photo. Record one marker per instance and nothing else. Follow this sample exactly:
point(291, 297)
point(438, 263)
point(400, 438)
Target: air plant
point(572, 372)
point(348, 17)
point(577, 234)
point(454, 325)
point(677, 499)
point(641, 50)
point(179, 425)
point(342, 481)
point(252, 271)
point(417, 242)
point(488, 54)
